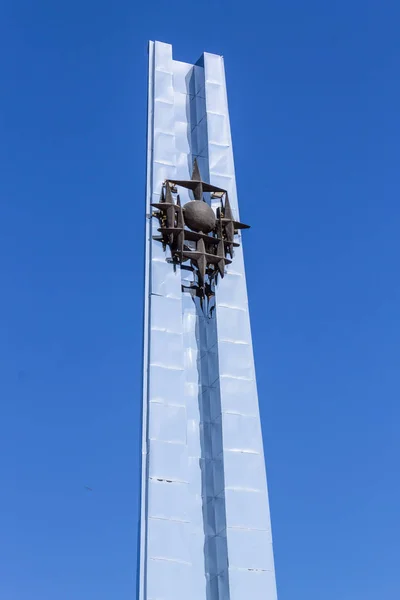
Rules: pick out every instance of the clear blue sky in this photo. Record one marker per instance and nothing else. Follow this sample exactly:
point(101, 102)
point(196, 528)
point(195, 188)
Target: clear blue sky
point(314, 96)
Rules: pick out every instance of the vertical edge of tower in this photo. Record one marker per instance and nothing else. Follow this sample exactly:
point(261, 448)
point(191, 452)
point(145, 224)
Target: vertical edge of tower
point(141, 576)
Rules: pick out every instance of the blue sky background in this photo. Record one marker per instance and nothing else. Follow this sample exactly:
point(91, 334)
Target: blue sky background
point(314, 97)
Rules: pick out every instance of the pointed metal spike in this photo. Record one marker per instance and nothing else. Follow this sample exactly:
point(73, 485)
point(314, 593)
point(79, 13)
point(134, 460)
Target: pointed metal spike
point(170, 229)
point(221, 267)
point(229, 231)
point(196, 171)
point(198, 191)
point(238, 225)
point(163, 206)
point(171, 216)
point(214, 260)
point(179, 218)
point(202, 265)
point(168, 194)
point(201, 246)
point(180, 239)
point(162, 194)
point(227, 208)
point(191, 184)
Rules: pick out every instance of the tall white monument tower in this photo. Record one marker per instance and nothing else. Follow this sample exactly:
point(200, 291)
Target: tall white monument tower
point(205, 530)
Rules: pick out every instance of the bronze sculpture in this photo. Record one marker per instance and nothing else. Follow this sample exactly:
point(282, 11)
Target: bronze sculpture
point(194, 233)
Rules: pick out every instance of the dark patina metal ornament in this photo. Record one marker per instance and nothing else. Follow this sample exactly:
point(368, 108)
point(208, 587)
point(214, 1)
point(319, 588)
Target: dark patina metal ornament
point(194, 233)
point(199, 216)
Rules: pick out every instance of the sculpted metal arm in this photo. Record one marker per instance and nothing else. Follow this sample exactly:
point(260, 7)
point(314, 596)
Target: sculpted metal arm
point(193, 231)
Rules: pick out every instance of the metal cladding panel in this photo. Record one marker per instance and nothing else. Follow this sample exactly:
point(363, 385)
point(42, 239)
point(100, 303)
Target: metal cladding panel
point(165, 507)
point(205, 527)
point(248, 528)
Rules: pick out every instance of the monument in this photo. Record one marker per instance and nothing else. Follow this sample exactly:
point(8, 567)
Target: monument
point(205, 529)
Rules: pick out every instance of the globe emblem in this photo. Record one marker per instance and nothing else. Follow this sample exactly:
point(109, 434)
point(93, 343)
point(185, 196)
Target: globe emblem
point(199, 216)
